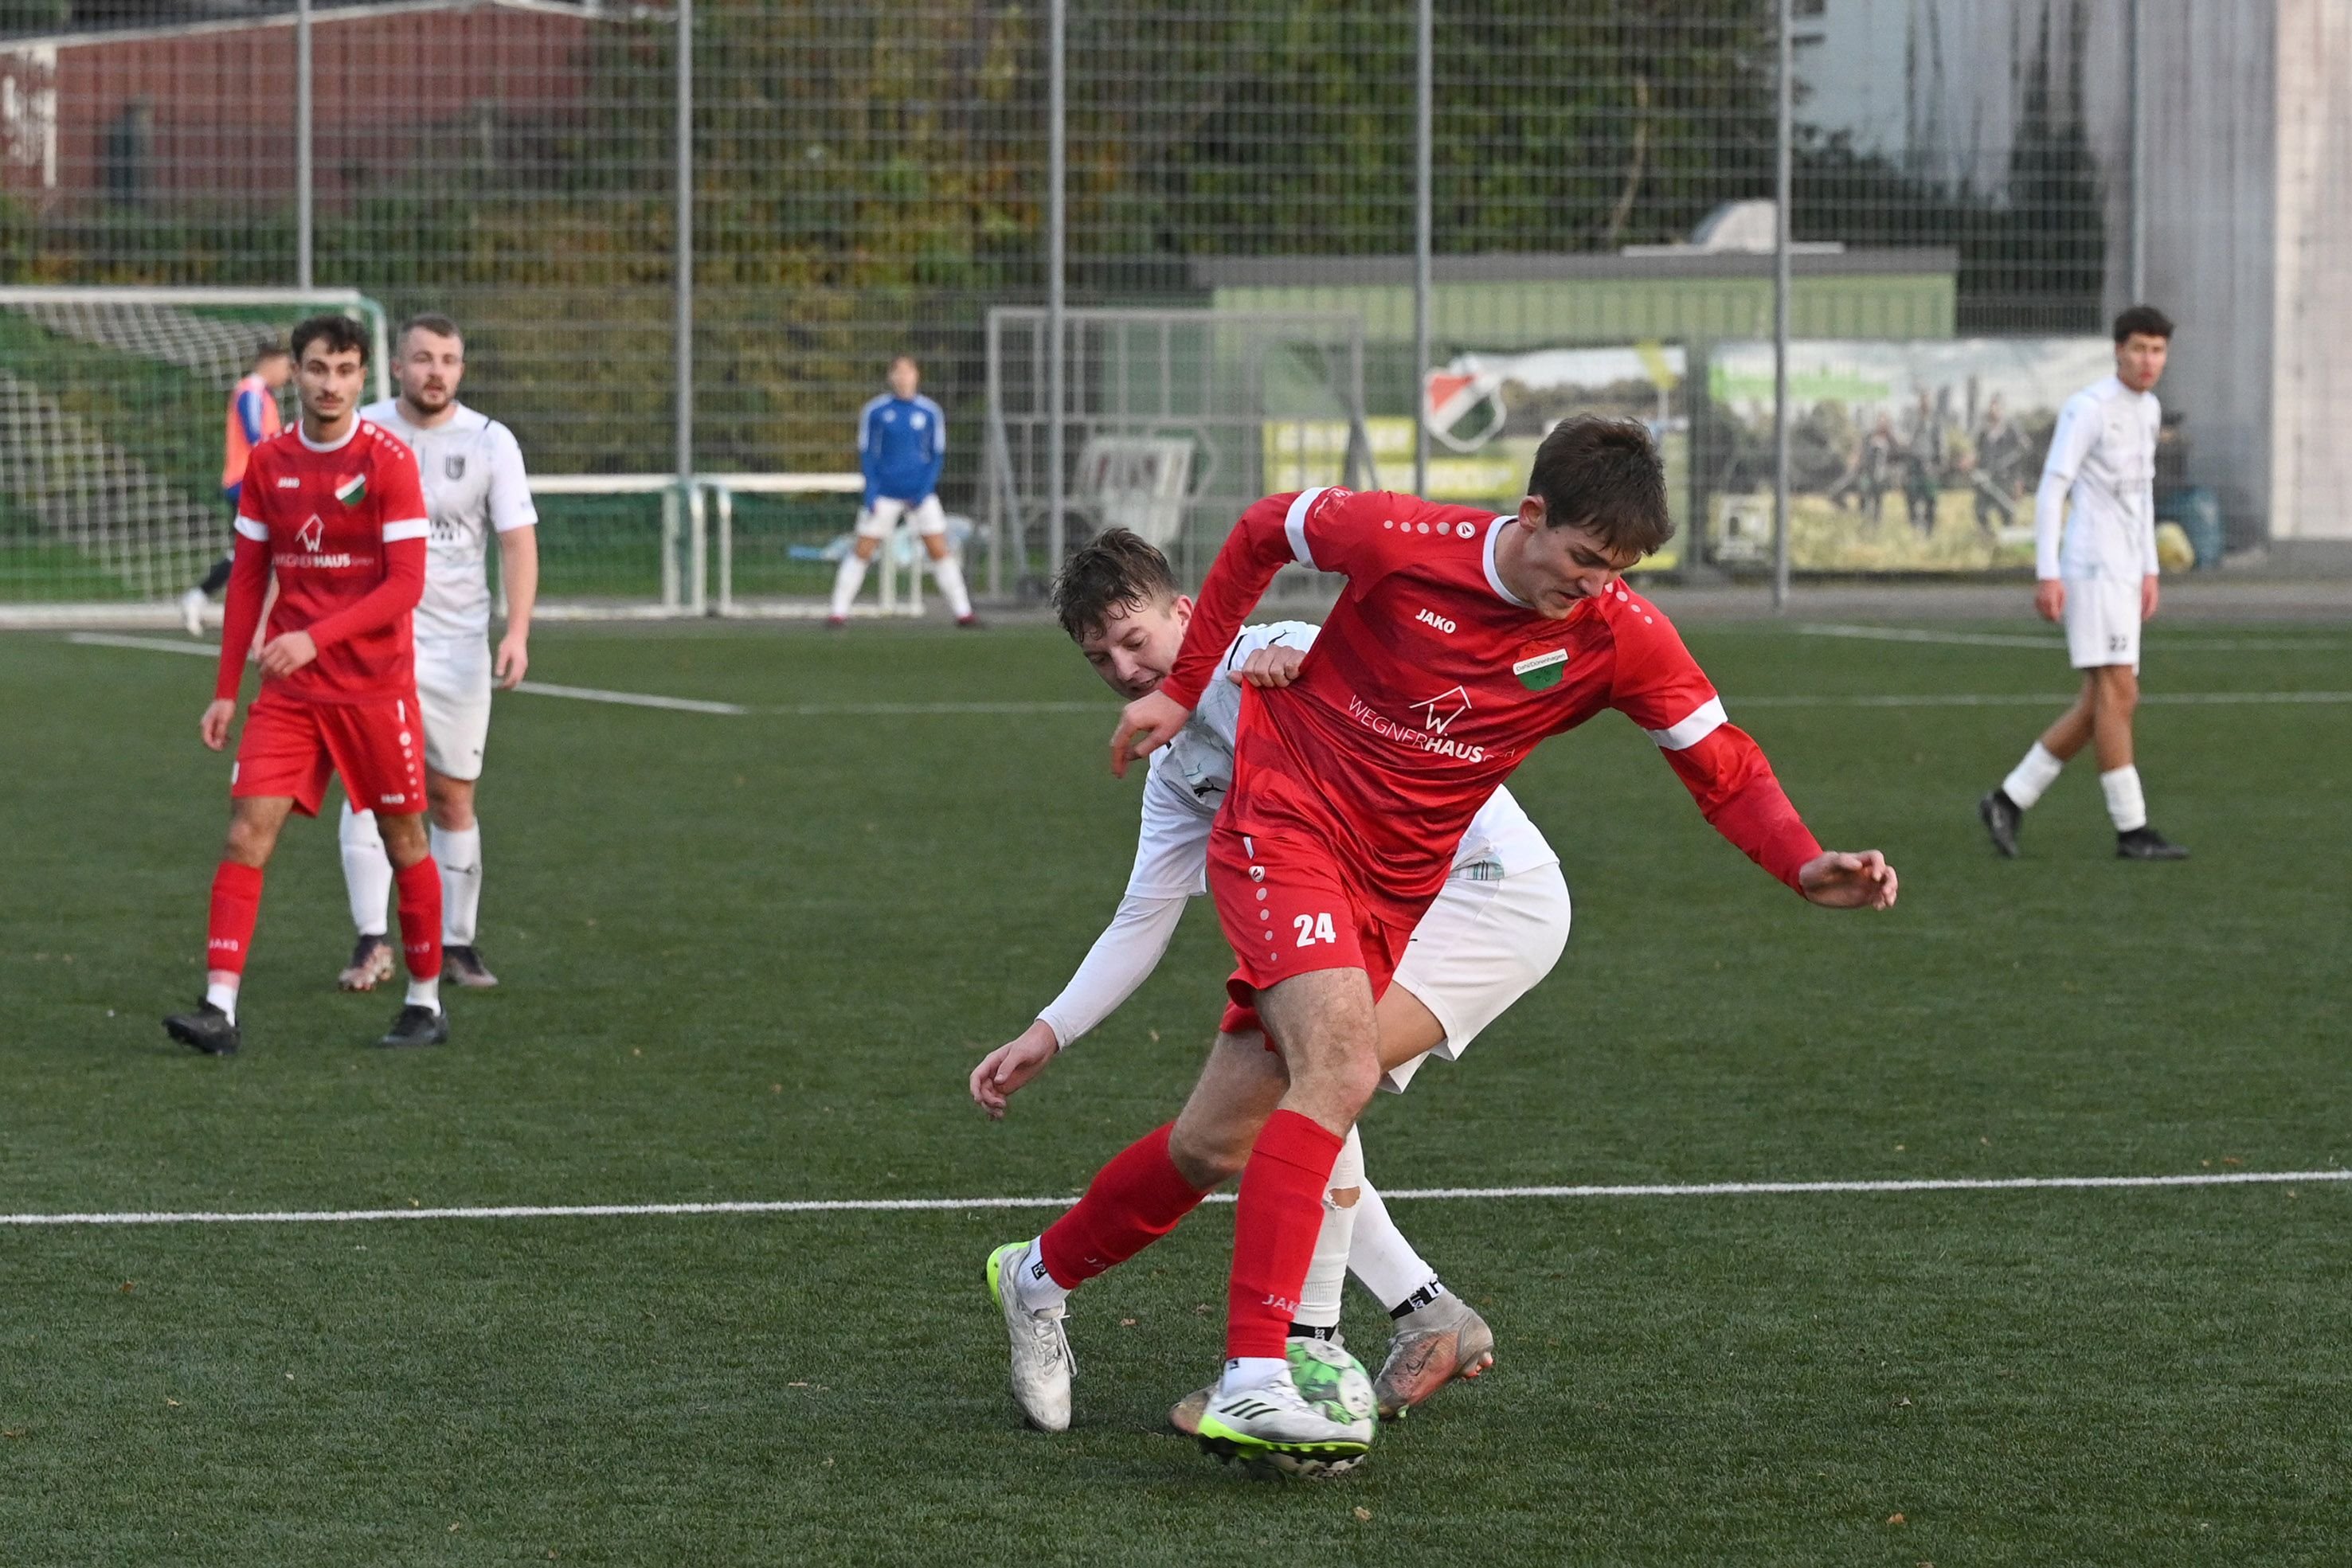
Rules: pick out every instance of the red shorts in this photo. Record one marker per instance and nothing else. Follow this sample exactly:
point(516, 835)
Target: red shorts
point(1288, 909)
point(291, 747)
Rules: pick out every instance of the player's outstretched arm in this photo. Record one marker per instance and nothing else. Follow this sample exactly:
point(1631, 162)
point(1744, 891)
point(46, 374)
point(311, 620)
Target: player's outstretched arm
point(1836, 878)
point(1002, 1072)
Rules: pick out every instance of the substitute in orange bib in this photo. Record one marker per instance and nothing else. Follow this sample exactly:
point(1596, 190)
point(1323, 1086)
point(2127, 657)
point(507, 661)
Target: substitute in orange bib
point(253, 419)
point(335, 510)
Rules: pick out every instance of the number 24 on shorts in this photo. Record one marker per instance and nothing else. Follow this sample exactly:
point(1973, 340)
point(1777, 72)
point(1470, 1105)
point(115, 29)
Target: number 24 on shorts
point(1314, 928)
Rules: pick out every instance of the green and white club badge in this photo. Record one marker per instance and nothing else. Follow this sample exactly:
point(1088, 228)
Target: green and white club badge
point(1542, 670)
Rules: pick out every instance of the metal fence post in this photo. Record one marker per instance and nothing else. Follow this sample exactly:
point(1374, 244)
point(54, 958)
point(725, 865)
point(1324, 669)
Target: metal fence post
point(682, 327)
point(2136, 277)
point(1783, 135)
point(305, 215)
point(1058, 197)
point(1423, 133)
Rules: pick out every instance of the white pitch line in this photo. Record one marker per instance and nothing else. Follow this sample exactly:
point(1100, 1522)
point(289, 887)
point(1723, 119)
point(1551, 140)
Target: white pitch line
point(630, 699)
point(2019, 640)
point(2042, 699)
point(152, 644)
point(932, 1204)
point(917, 710)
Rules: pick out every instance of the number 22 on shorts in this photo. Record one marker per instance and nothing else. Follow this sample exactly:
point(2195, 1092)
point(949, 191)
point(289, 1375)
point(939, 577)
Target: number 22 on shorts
point(1314, 928)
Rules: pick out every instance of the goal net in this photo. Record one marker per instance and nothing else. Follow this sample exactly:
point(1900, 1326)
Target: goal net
point(113, 409)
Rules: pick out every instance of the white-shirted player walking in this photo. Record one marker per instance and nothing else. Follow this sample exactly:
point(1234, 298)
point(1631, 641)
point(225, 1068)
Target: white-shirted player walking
point(2098, 575)
point(474, 487)
point(1496, 929)
point(902, 443)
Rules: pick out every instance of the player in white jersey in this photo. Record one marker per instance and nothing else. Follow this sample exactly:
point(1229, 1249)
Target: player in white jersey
point(2094, 552)
point(475, 488)
point(1495, 930)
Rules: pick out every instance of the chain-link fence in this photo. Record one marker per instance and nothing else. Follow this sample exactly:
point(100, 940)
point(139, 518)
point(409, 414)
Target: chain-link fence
point(865, 181)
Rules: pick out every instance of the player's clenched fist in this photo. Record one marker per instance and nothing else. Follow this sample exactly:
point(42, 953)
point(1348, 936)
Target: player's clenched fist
point(1270, 668)
point(1838, 880)
point(213, 725)
point(1002, 1072)
point(1145, 724)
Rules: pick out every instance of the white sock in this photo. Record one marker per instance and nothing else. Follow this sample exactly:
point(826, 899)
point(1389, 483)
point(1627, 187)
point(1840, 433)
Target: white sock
point(460, 856)
point(2028, 778)
point(1243, 1372)
point(367, 871)
point(1326, 1272)
point(848, 581)
point(2126, 806)
point(424, 993)
point(1037, 1291)
point(949, 573)
point(1385, 1262)
point(222, 994)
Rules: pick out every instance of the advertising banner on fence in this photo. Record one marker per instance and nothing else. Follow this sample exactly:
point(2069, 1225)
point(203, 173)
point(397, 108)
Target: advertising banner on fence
point(1487, 413)
point(1903, 456)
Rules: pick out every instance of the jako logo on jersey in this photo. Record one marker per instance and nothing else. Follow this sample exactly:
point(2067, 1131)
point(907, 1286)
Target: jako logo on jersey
point(290, 482)
point(1432, 618)
point(312, 534)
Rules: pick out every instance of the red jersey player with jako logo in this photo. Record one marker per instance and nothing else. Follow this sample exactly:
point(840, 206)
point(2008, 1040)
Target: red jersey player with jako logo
point(1461, 641)
point(335, 510)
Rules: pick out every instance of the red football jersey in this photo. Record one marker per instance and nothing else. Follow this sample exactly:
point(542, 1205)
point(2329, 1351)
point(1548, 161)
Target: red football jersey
point(1430, 683)
point(343, 527)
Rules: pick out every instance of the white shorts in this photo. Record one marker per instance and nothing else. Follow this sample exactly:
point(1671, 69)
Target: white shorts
point(876, 521)
point(1479, 947)
point(2102, 621)
point(452, 689)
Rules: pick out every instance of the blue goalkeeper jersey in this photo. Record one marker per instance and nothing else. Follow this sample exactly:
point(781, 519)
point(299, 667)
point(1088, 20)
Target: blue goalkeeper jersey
point(901, 443)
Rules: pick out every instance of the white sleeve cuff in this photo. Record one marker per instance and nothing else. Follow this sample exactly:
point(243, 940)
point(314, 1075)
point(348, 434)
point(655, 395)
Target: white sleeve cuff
point(247, 528)
point(408, 528)
point(1704, 721)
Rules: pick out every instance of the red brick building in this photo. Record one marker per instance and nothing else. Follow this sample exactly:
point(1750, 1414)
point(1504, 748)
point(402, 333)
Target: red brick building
point(206, 111)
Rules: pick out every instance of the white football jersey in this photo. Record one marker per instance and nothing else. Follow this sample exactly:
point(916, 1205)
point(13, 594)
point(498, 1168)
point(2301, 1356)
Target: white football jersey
point(474, 487)
point(1191, 774)
point(2105, 450)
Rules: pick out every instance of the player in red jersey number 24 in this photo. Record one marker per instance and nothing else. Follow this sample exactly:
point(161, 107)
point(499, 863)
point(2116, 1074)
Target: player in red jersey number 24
point(335, 510)
point(1460, 640)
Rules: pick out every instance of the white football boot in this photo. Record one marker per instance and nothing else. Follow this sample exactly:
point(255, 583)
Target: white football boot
point(1432, 1346)
point(1186, 1413)
point(1042, 1362)
point(1272, 1427)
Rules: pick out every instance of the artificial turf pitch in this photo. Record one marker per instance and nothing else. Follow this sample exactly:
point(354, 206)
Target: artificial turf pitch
point(755, 956)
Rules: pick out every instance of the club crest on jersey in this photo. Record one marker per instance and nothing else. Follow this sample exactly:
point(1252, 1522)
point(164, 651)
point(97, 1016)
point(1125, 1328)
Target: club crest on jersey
point(311, 534)
point(453, 466)
point(353, 491)
point(1540, 671)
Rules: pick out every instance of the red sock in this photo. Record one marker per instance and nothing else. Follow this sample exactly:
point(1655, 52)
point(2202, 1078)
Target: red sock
point(1275, 1226)
point(420, 917)
point(1133, 1202)
point(236, 904)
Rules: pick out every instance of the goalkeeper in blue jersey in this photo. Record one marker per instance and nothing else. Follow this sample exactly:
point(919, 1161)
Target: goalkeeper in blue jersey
point(902, 441)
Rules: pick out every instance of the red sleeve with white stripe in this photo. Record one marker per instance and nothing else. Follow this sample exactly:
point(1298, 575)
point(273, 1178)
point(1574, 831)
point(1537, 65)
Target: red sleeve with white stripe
point(404, 529)
point(1327, 530)
point(1657, 685)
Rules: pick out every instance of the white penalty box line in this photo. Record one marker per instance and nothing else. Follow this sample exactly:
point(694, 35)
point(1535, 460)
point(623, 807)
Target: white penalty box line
point(957, 1205)
point(924, 709)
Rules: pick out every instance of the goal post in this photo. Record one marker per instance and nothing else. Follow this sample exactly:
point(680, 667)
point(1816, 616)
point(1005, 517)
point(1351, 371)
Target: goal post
point(113, 405)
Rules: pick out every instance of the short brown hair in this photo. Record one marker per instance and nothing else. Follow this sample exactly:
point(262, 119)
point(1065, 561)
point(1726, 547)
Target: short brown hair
point(1604, 475)
point(340, 333)
point(264, 350)
point(431, 321)
point(1118, 571)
